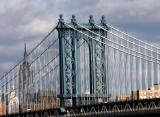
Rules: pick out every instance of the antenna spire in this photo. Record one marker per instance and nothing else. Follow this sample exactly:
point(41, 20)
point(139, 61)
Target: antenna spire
point(25, 52)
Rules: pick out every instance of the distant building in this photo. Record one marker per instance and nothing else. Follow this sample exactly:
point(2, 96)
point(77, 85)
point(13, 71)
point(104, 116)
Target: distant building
point(122, 98)
point(2, 110)
point(47, 98)
point(2, 105)
point(142, 94)
point(152, 92)
point(13, 104)
point(25, 80)
point(4, 102)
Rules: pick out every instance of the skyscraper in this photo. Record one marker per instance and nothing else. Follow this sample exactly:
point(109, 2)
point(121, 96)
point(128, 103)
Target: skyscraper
point(25, 81)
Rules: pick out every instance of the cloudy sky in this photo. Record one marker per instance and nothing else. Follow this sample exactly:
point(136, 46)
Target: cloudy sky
point(30, 20)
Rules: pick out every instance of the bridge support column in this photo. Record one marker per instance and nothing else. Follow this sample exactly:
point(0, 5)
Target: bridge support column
point(98, 58)
point(68, 62)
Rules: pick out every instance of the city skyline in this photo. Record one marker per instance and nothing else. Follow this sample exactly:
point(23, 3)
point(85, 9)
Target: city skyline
point(29, 21)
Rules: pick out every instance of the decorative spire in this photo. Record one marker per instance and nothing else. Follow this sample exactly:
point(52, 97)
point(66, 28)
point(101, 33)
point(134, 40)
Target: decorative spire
point(61, 21)
point(61, 18)
point(25, 52)
point(103, 20)
point(91, 20)
point(73, 20)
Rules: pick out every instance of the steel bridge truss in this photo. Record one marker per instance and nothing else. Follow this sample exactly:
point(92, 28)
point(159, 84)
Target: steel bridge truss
point(71, 42)
point(100, 63)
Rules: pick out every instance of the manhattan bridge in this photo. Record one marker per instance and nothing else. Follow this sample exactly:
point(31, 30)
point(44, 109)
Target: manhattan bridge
point(84, 69)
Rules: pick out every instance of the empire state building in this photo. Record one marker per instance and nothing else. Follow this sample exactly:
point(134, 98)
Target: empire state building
point(24, 81)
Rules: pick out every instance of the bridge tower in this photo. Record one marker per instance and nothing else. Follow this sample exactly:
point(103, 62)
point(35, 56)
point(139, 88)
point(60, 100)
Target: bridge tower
point(70, 60)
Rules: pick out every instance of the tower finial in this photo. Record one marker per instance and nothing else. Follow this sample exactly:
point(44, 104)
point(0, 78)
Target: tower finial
point(91, 20)
point(25, 51)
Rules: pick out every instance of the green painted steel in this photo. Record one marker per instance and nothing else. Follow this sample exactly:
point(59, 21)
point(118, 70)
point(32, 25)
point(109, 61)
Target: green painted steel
point(70, 59)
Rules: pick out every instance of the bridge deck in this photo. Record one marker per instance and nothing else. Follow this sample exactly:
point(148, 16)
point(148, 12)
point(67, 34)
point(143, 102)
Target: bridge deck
point(126, 108)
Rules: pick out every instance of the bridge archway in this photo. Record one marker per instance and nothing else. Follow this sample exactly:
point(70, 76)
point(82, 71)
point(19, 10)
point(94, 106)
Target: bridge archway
point(84, 68)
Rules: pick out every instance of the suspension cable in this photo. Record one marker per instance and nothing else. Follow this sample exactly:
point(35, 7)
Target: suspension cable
point(132, 37)
point(126, 39)
point(115, 47)
point(117, 43)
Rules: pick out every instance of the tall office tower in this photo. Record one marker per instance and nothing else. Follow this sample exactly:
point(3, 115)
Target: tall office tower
point(25, 81)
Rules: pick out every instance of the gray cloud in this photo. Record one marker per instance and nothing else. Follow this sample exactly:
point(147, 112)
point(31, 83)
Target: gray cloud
point(30, 20)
